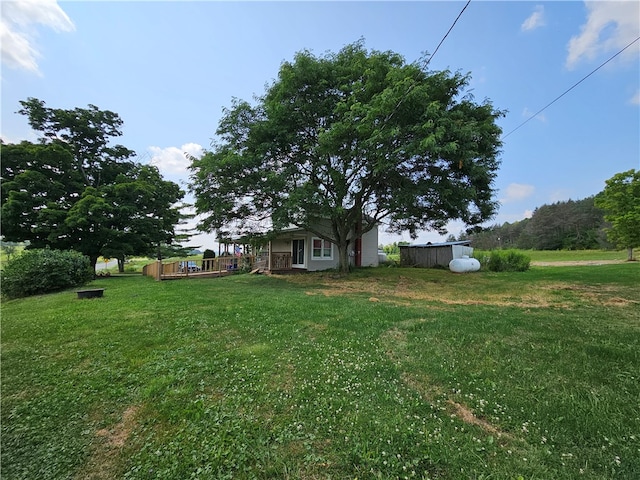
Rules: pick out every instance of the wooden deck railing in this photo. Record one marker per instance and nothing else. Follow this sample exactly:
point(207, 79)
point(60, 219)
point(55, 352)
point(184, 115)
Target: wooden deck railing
point(219, 265)
point(281, 261)
point(151, 269)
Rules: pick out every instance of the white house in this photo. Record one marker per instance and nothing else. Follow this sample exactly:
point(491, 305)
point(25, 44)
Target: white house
point(298, 249)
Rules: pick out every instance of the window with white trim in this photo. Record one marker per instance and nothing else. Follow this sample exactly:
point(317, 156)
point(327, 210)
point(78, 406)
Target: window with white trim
point(321, 249)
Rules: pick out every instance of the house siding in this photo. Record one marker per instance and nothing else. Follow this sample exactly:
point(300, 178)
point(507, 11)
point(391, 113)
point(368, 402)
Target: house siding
point(315, 265)
point(369, 250)
point(369, 257)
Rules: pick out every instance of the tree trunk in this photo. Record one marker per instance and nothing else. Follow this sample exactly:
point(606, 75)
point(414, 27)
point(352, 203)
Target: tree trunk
point(630, 254)
point(121, 264)
point(343, 257)
point(93, 259)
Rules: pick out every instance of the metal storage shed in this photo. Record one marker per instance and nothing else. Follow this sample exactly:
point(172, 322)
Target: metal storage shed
point(433, 254)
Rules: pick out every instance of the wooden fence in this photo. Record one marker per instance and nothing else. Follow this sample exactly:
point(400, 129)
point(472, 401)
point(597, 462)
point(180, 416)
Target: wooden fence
point(152, 270)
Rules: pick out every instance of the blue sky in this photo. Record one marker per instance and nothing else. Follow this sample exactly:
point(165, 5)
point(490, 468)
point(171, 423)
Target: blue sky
point(169, 68)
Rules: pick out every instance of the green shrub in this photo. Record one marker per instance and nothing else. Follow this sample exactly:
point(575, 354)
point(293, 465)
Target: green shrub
point(208, 253)
point(508, 261)
point(42, 271)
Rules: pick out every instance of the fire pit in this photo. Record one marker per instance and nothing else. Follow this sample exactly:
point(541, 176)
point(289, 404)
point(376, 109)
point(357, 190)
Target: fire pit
point(90, 293)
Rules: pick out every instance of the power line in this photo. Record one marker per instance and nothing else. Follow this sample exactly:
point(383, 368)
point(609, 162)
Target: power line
point(569, 89)
point(406, 94)
point(448, 32)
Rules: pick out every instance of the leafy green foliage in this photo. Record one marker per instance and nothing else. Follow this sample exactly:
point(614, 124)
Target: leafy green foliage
point(75, 190)
point(393, 248)
point(621, 202)
point(352, 138)
point(86, 133)
point(508, 261)
point(43, 271)
point(568, 225)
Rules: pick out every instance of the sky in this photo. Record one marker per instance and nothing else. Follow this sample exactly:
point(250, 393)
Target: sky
point(169, 68)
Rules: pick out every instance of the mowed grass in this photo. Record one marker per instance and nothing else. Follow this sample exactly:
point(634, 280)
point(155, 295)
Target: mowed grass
point(386, 373)
point(568, 255)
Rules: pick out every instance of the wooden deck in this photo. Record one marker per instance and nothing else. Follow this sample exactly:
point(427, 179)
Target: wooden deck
point(179, 276)
point(189, 268)
point(279, 262)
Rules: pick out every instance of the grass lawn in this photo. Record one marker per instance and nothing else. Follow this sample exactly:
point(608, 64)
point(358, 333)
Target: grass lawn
point(568, 255)
point(387, 373)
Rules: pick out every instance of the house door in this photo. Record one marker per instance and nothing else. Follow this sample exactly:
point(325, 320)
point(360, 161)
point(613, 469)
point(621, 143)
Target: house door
point(297, 259)
point(359, 252)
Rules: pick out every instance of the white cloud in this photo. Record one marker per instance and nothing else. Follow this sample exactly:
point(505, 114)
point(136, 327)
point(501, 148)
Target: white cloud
point(635, 99)
point(17, 19)
point(174, 160)
point(527, 113)
point(517, 191)
point(610, 26)
point(535, 20)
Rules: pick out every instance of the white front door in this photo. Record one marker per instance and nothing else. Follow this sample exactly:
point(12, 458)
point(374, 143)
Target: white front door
point(297, 255)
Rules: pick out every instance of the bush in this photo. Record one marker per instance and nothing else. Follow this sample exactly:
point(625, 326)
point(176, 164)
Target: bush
point(42, 271)
point(208, 254)
point(508, 261)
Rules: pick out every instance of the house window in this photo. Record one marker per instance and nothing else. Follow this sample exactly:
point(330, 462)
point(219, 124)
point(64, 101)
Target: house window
point(322, 249)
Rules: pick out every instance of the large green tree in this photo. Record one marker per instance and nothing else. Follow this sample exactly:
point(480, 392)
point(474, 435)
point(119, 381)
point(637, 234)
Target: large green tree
point(74, 190)
point(355, 138)
point(620, 201)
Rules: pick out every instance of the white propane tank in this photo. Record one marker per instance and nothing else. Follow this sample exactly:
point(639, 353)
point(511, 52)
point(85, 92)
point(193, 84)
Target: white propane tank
point(464, 264)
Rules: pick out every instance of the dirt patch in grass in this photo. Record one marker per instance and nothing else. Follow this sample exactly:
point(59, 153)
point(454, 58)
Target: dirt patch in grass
point(407, 291)
point(575, 263)
point(117, 436)
point(105, 460)
point(593, 294)
point(395, 342)
point(619, 302)
point(467, 416)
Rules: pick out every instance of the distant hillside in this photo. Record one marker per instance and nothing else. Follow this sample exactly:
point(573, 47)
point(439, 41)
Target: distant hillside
point(570, 225)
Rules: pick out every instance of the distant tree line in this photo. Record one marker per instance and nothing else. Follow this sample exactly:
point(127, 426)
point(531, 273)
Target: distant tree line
point(567, 225)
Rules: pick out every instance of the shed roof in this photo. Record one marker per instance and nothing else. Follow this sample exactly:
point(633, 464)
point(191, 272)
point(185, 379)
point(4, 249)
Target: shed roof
point(434, 245)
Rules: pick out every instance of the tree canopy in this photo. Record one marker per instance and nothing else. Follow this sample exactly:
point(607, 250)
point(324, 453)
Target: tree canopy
point(355, 138)
point(621, 202)
point(565, 225)
point(74, 190)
